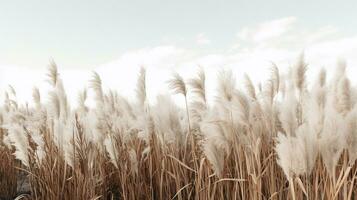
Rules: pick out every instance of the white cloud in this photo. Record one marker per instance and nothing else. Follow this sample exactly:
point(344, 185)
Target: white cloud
point(23, 80)
point(267, 30)
point(201, 39)
point(280, 41)
point(323, 33)
point(122, 73)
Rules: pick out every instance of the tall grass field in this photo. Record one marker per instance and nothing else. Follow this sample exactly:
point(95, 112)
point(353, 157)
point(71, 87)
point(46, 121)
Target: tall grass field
point(286, 138)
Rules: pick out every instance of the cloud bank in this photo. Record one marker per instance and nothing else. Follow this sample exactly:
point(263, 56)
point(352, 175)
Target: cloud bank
point(255, 47)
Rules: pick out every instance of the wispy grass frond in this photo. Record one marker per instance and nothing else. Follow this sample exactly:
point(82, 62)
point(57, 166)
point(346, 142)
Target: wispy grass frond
point(36, 97)
point(299, 72)
point(351, 135)
point(82, 97)
point(177, 85)
point(291, 158)
point(275, 77)
point(226, 85)
point(198, 85)
point(96, 85)
point(249, 87)
point(19, 139)
point(344, 102)
point(52, 73)
point(141, 86)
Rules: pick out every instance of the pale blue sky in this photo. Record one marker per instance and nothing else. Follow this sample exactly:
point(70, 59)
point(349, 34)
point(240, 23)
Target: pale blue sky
point(87, 33)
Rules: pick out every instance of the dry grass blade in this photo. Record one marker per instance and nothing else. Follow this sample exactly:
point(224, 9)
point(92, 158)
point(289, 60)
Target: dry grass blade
point(178, 192)
point(341, 181)
point(230, 179)
point(182, 164)
point(301, 185)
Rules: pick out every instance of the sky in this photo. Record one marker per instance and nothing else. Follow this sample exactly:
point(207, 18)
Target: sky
point(115, 38)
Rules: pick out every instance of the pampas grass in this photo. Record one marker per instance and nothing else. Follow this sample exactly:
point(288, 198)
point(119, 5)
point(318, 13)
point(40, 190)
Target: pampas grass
point(281, 139)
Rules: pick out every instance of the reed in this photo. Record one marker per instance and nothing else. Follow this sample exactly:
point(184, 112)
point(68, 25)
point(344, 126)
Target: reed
point(282, 139)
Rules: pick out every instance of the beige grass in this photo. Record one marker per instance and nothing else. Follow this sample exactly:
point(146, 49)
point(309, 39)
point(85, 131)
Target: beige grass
point(284, 139)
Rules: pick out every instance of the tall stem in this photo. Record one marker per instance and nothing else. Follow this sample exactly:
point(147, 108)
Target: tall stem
point(188, 116)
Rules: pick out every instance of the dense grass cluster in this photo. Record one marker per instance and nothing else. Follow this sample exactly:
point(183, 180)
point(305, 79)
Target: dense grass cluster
point(284, 139)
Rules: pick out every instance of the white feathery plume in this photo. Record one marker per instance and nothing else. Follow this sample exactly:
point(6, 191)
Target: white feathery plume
point(314, 105)
point(282, 85)
point(275, 77)
point(287, 114)
point(241, 107)
point(36, 98)
point(54, 108)
point(58, 133)
point(6, 140)
point(40, 143)
point(146, 126)
point(332, 140)
point(198, 85)
point(257, 119)
point(249, 87)
point(145, 152)
point(96, 85)
point(68, 137)
point(111, 149)
point(12, 91)
point(309, 140)
point(19, 139)
point(215, 156)
point(11, 103)
point(319, 92)
point(54, 112)
point(133, 161)
point(269, 92)
point(315, 113)
point(340, 70)
point(226, 85)
point(52, 73)
point(6, 105)
point(340, 73)
point(62, 98)
point(125, 107)
point(91, 132)
point(197, 111)
point(167, 121)
point(215, 145)
point(142, 112)
point(298, 73)
point(198, 106)
point(178, 85)
point(225, 97)
point(59, 110)
point(351, 135)
point(343, 101)
point(141, 87)
point(82, 97)
point(291, 155)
